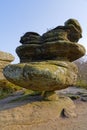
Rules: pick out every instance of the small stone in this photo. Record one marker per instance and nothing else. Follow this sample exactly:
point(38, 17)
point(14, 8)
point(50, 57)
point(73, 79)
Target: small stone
point(68, 112)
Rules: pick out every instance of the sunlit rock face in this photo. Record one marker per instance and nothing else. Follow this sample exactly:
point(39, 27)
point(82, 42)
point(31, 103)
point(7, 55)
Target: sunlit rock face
point(46, 61)
point(5, 59)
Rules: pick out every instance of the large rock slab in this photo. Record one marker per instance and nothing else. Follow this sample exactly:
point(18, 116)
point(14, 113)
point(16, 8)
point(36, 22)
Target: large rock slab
point(32, 112)
point(55, 50)
point(42, 76)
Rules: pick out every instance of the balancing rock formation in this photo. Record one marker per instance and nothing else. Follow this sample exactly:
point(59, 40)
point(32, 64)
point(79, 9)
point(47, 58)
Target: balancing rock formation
point(46, 61)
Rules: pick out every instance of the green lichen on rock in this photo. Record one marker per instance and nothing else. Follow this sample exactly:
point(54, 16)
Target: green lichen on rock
point(7, 88)
point(42, 76)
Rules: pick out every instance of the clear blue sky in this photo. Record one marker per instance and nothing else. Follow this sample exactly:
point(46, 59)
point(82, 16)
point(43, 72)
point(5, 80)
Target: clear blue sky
point(20, 16)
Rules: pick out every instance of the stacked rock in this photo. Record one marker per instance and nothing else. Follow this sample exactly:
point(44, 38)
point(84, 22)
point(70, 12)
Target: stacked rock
point(46, 61)
point(28, 51)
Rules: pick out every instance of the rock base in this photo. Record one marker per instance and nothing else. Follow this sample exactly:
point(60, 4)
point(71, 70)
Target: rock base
point(17, 114)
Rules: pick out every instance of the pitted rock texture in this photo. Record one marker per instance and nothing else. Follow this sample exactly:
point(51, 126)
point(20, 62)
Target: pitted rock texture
point(58, 50)
point(43, 76)
point(30, 38)
point(32, 112)
point(55, 44)
point(4, 56)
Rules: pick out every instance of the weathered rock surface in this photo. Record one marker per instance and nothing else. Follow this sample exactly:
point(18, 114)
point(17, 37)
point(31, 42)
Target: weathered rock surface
point(5, 59)
point(30, 38)
point(58, 43)
point(58, 50)
point(16, 111)
point(4, 56)
point(74, 93)
point(32, 112)
point(42, 76)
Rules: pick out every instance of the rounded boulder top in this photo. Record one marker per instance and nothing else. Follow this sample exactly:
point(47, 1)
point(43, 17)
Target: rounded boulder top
point(4, 56)
point(75, 23)
point(29, 38)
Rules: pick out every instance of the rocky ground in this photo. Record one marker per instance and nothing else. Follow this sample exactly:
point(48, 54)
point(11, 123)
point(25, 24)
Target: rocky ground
point(22, 106)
